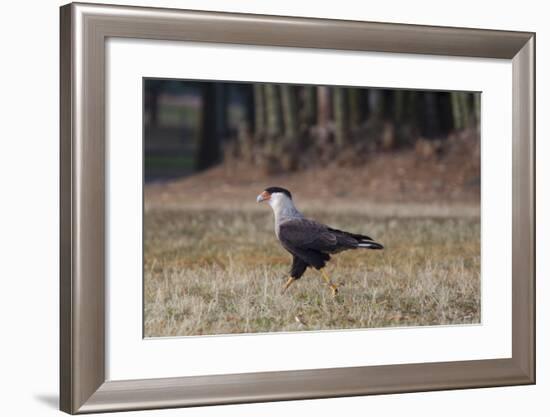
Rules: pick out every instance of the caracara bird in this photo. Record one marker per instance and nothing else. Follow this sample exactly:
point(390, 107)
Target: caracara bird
point(309, 242)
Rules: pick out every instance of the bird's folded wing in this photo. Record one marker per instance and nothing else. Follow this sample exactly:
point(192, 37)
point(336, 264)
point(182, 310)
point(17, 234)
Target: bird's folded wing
point(307, 234)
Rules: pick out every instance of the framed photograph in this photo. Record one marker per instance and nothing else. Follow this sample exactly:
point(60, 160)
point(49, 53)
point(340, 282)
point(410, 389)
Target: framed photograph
point(264, 208)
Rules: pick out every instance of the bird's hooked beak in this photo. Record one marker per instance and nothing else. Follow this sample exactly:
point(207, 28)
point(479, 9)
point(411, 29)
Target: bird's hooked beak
point(264, 196)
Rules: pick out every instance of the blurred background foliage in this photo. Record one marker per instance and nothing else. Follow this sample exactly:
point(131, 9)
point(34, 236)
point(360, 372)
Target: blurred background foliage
point(190, 126)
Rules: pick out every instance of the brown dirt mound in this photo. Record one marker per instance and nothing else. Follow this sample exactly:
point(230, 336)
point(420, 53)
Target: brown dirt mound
point(445, 172)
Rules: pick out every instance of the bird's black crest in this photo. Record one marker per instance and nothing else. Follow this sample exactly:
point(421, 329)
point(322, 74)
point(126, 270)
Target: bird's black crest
point(272, 190)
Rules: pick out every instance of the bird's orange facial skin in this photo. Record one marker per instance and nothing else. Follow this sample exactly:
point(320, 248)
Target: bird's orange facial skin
point(264, 196)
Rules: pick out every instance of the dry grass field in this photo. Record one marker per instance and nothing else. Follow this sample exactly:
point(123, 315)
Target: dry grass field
point(213, 270)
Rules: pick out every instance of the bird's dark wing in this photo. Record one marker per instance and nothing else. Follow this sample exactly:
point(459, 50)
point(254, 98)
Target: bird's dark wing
point(307, 234)
point(308, 241)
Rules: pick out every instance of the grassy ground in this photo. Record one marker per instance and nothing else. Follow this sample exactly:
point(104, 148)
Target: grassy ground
point(211, 271)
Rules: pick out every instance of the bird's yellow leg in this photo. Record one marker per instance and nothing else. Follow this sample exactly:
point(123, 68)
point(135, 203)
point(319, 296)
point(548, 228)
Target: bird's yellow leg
point(333, 287)
point(288, 284)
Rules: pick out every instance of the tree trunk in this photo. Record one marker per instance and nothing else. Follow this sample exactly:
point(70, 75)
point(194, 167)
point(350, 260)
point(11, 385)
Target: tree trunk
point(398, 107)
point(430, 115)
point(466, 108)
point(152, 100)
point(444, 105)
point(477, 107)
point(208, 149)
point(273, 108)
point(290, 110)
point(376, 104)
point(247, 95)
point(308, 111)
point(220, 104)
point(457, 110)
point(340, 116)
point(354, 106)
point(154, 107)
point(259, 110)
point(323, 111)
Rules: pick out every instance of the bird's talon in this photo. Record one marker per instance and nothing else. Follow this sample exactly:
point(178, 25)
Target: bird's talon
point(288, 284)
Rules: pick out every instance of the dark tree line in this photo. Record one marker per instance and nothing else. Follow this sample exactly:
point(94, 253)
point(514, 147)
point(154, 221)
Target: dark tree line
point(288, 127)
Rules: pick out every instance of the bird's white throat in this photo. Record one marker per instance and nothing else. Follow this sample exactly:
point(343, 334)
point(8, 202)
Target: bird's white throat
point(283, 207)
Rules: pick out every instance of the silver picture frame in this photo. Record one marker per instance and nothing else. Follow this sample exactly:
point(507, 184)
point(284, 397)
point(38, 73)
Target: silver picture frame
point(83, 34)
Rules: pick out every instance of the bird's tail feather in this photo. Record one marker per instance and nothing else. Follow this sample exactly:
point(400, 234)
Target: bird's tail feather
point(370, 244)
point(363, 241)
